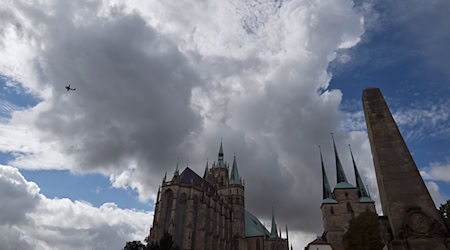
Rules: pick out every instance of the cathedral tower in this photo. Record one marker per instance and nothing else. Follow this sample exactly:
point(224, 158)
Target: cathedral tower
point(236, 198)
point(343, 204)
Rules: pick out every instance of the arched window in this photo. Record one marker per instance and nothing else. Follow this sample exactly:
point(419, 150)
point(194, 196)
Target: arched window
point(167, 199)
point(180, 219)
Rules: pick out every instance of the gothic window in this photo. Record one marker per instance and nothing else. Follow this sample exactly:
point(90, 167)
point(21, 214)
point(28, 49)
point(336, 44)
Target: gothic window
point(167, 199)
point(194, 222)
point(332, 210)
point(180, 219)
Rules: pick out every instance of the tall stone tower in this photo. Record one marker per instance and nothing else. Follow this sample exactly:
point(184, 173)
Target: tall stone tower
point(232, 189)
point(344, 203)
point(236, 198)
point(412, 220)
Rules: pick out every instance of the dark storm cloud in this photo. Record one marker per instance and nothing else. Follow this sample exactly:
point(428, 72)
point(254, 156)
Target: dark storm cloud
point(133, 88)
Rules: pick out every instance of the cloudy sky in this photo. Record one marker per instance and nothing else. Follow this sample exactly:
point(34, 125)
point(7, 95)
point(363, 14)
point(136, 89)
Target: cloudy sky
point(158, 80)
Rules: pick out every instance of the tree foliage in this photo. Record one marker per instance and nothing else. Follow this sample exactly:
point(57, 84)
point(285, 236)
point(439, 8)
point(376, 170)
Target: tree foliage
point(166, 243)
point(444, 210)
point(134, 245)
point(363, 233)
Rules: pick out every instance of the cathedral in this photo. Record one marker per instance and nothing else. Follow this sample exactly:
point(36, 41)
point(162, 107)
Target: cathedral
point(208, 213)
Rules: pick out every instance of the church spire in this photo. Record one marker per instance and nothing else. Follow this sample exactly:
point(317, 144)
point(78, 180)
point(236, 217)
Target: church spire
point(220, 162)
point(234, 179)
point(273, 232)
point(340, 174)
point(327, 196)
point(362, 192)
point(205, 175)
point(177, 172)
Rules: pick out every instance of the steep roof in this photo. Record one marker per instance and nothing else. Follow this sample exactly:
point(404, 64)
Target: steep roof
point(234, 178)
point(187, 175)
point(254, 227)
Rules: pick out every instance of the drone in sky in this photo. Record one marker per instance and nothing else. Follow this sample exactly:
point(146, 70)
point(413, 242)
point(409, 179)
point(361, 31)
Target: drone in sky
point(69, 88)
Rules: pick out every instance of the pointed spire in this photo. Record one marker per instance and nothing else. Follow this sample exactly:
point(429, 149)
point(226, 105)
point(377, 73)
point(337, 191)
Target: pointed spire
point(325, 184)
point(220, 161)
point(235, 179)
point(176, 170)
point(340, 175)
point(205, 175)
point(273, 232)
point(362, 192)
point(292, 247)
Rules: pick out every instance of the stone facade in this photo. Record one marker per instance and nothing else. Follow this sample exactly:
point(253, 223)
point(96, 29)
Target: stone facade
point(343, 204)
point(411, 220)
point(336, 217)
point(209, 213)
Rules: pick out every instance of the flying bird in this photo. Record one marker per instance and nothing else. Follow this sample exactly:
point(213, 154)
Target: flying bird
point(69, 88)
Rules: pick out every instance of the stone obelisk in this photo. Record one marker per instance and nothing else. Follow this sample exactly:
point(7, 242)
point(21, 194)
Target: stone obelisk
point(414, 221)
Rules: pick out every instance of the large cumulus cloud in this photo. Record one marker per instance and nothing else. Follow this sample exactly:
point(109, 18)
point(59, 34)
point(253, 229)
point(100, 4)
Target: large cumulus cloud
point(160, 80)
point(29, 220)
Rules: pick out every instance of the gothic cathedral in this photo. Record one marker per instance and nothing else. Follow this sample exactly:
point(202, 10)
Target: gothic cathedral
point(208, 213)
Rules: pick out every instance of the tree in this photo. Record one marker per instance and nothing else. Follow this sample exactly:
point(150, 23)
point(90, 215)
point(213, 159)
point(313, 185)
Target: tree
point(444, 210)
point(134, 245)
point(363, 233)
point(166, 243)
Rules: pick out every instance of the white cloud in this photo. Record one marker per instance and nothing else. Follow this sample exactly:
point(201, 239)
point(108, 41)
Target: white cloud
point(437, 171)
point(438, 197)
point(29, 219)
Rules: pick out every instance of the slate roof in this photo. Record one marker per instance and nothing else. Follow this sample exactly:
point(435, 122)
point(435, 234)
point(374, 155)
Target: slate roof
point(187, 175)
